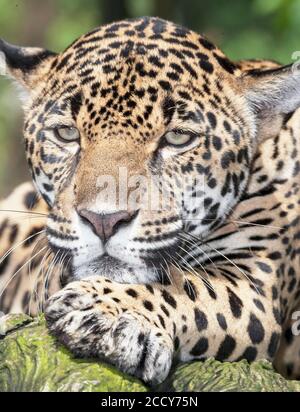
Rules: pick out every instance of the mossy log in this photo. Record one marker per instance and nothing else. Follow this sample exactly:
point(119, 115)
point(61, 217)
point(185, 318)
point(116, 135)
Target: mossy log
point(32, 361)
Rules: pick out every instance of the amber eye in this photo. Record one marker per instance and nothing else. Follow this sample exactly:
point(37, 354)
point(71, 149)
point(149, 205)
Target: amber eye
point(69, 134)
point(177, 138)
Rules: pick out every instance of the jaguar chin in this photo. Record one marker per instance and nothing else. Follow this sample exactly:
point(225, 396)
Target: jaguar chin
point(116, 270)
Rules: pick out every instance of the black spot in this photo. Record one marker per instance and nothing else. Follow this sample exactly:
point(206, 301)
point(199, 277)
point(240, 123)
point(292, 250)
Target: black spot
point(32, 128)
point(132, 293)
point(259, 304)
point(200, 348)
point(255, 329)
point(168, 109)
point(206, 66)
point(141, 338)
point(210, 290)
point(200, 319)
point(156, 62)
point(76, 103)
point(173, 76)
point(148, 305)
point(235, 303)
point(225, 63)
point(162, 322)
point(226, 348)
point(169, 299)
point(30, 199)
point(227, 126)
point(176, 343)
point(222, 321)
point(273, 345)
point(236, 137)
point(189, 69)
point(150, 289)
point(264, 267)
point(292, 285)
point(165, 85)
point(165, 310)
point(206, 44)
point(179, 70)
point(274, 292)
point(217, 143)
point(47, 187)
point(3, 266)
point(212, 119)
point(31, 236)
point(249, 354)
point(13, 233)
point(190, 290)
point(227, 158)
point(277, 316)
point(212, 183)
point(64, 61)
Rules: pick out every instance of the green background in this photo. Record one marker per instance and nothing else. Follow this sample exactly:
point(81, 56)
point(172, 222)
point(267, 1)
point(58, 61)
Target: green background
point(243, 28)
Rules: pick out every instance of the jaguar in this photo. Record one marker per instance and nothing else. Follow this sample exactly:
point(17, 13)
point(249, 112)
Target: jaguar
point(212, 267)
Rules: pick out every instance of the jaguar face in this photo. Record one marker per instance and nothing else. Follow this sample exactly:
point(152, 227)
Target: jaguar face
point(139, 136)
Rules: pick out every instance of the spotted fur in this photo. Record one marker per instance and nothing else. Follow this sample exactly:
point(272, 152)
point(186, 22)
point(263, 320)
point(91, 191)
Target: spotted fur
point(216, 275)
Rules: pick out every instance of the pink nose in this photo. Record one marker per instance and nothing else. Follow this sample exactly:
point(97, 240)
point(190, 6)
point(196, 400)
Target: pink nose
point(106, 225)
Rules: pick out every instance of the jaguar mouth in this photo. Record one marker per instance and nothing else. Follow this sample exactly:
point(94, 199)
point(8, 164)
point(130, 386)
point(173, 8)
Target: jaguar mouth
point(118, 271)
point(107, 265)
point(152, 268)
point(114, 269)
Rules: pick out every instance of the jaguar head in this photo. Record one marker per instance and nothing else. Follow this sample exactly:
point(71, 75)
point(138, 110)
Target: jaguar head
point(140, 136)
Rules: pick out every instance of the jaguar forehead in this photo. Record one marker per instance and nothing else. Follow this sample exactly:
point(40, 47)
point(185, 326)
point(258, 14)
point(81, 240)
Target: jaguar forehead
point(152, 37)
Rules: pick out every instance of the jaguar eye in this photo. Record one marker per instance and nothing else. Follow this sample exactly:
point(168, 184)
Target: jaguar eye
point(69, 134)
point(177, 138)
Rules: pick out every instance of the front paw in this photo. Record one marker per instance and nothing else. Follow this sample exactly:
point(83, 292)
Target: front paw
point(92, 324)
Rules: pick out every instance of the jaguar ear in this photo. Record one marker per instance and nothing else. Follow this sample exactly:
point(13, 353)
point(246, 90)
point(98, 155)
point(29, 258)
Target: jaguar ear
point(26, 65)
point(273, 95)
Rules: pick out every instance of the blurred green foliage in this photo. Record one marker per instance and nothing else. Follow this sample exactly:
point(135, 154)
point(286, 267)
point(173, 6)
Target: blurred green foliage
point(243, 28)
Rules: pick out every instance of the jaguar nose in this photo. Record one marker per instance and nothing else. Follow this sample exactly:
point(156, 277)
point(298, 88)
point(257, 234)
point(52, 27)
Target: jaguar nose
point(106, 225)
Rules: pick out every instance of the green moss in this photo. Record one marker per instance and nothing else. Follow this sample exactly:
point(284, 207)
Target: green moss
point(32, 361)
point(214, 376)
